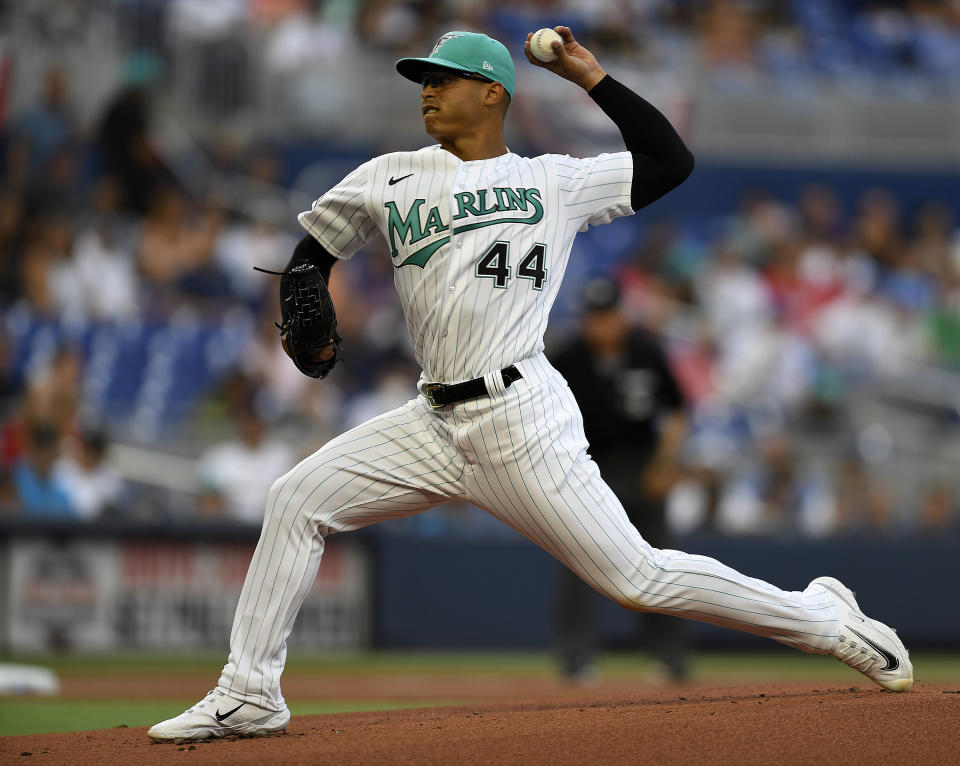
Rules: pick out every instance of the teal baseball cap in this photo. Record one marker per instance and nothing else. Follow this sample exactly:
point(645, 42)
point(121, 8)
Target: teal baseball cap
point(465, 52)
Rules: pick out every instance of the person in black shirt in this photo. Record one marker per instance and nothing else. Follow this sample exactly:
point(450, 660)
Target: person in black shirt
point(635, 421)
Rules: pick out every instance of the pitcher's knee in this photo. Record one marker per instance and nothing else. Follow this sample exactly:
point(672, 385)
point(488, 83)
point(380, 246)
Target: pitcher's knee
point(278, 501)
point(273, 494)
point(293, 495)
point(632, 596)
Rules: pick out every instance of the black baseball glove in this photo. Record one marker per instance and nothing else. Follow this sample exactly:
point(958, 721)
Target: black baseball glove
point(308, 328)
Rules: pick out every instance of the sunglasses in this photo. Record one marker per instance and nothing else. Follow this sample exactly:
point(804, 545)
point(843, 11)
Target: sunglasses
point(438, 78)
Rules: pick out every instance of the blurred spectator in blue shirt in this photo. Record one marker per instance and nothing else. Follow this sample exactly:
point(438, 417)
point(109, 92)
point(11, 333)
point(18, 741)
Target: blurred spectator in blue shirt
point(39, 493)
point(43, 130)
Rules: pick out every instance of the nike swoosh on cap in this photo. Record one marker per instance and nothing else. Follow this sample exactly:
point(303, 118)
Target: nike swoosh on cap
point(393, 180)
point(892, 662)
point(229, 713)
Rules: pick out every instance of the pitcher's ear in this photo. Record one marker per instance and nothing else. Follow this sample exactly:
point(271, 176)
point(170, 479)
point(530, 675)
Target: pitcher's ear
point(496, 95)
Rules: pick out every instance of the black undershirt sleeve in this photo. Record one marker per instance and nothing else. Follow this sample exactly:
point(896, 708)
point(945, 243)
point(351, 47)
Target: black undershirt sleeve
point(310, 251)
point(661, 161)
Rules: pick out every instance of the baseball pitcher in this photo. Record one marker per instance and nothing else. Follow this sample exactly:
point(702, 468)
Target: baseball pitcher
point(479, 239)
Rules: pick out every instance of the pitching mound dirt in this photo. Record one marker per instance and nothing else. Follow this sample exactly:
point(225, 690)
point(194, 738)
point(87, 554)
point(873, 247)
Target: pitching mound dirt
point(763, 724)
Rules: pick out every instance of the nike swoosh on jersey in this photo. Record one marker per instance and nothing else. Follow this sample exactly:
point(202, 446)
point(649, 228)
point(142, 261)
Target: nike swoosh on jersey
point(393, 180)
point(892, 662)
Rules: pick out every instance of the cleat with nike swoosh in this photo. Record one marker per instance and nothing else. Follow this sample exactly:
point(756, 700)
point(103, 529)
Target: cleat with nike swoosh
point(220, 715)
point(868, 645)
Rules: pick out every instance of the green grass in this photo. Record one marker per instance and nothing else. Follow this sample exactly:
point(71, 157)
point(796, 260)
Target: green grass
point(37, 715)
point(42, 716)
point(775, 663)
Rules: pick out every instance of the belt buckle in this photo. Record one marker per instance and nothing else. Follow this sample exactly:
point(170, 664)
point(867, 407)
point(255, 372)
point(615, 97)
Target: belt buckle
point(428, 393)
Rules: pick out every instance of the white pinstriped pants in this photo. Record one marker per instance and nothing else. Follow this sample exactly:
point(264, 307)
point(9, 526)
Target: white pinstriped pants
point(519, 454)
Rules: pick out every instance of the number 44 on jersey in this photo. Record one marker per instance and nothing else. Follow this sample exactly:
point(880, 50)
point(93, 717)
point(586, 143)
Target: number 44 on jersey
point(495, 263)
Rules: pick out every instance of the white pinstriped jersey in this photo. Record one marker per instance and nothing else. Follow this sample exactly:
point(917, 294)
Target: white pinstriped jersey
point(478, 248)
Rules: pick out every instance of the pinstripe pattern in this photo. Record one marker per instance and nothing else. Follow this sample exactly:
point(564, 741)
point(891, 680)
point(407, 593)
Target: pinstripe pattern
point(520, 454)
point(395, 465)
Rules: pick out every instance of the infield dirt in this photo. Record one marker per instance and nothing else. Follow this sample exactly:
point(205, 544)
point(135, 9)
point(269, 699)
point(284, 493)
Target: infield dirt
point(755, 724)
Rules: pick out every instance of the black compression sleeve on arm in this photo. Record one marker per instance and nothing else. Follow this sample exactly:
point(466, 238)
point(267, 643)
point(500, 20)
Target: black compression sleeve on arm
point(661, 161)
point(310, 251)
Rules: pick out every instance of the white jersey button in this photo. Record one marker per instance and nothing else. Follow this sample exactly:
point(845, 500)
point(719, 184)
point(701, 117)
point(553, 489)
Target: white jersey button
point(452, 288)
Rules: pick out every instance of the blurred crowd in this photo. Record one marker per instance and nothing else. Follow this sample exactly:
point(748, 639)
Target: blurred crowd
point(303, 64)
point(777, 318)
point(916, 41)
point(97, 232)
point(791, 326)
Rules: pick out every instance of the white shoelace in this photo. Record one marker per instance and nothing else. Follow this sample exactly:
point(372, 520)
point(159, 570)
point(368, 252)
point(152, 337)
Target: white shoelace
point(856, 655)
point(210, 698)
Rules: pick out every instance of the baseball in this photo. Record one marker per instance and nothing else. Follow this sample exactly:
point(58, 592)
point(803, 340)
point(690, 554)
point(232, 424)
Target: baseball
point(541, 44)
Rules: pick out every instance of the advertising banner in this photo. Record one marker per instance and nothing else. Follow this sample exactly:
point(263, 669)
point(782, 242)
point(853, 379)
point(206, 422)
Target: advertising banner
point(103, 594)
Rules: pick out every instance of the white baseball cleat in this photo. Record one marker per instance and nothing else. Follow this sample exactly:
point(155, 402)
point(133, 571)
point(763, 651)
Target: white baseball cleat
point(219, 715)
point(868, 645)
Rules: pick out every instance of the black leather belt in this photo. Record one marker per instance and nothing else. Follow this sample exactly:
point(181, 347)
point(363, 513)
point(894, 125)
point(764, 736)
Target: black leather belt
point(443, 394)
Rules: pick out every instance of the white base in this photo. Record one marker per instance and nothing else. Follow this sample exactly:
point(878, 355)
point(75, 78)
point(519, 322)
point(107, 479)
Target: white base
point(27, 679)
